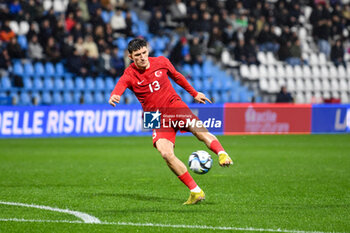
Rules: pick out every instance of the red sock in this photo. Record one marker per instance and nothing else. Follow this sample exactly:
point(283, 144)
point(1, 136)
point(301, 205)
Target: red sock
point(216, 147)
point(187, 179)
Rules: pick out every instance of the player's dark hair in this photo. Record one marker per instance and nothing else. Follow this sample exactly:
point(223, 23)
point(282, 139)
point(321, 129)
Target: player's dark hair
point(136, 44)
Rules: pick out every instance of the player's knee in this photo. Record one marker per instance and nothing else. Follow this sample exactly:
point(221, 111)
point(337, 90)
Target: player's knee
point(167, 155)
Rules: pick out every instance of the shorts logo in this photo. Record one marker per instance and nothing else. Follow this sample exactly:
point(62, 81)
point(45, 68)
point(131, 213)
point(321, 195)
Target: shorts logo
point(158, 73)
point(151, 120)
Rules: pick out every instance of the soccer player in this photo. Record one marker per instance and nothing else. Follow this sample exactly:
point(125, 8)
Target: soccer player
point(148, 78)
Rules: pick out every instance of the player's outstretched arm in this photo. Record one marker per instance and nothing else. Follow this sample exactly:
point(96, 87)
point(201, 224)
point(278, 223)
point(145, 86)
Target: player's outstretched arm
point(201, 98)
point(114, 99)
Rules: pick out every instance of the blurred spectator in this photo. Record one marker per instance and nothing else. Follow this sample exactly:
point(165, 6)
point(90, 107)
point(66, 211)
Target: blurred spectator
point(104, 62)
point(181, 50)
point(250, 51)
point(267, 40)
point(322, 33)
point(14, 49)
point(52, 51)
point(157, 23)
point(337, 53)
point(295, 54)
point(6, 34)
point(15, 7)
point(79, 46)
point(35, 50)
point(5, 62)
point(76, 65)
point(70, 21)
point(67, 46)
point(284, 96)
point(117, 22)
point(215, 44)
point(178, 10)
point(284, 50)
point(77, 31)
point(196, 50)
point(90, 46)
point(117, 63)
point(240, 52)
point(46, 31)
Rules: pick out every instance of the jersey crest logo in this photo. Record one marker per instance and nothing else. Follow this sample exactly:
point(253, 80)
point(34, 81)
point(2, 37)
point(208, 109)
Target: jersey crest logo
point(158, 73)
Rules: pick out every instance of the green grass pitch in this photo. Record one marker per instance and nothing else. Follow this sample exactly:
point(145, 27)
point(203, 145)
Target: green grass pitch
point(288, 182)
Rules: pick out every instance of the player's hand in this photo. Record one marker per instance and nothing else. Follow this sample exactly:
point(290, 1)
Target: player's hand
point(114, 99)
point(201, 98)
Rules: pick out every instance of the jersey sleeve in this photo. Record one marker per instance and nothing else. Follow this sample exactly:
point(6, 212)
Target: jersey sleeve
point(121, 85)
point(179, 78)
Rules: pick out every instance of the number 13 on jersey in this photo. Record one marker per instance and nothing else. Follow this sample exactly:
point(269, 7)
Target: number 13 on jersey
point(154, 86)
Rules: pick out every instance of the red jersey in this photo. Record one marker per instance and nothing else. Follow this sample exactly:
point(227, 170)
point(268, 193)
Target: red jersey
point(152, 86)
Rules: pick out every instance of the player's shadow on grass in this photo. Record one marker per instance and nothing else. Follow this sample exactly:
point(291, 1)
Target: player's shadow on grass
point(138, 197)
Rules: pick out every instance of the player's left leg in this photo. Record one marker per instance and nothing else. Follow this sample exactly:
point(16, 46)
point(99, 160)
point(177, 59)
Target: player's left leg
point(212, 143)
point(166, 149)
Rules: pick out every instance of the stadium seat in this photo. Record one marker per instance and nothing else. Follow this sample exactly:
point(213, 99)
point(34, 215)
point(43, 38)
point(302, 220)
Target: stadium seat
point(261, 56)
point(298, 72)
point(24, 98)
point(59, 69)
point(341, 72)
point(197, 84)
point(273, 86)
point(343, 85)
point(106, 17)
point(18, 68)
point(216, 97)
point(344, 97)
point(307, 72)
point(39, 69)
point(59, 84)
point(262, 71)
point(77, 97)
point(244, 71)
point(79, 83)
point(317, 84)
point(333, 72)
point(88, 99)
point(271, 60)
point(289, 72)
point(281, 72)
point(99, 83)
point(271, 71)
point(291, 85)
point(48, 84)
point(37, 97)
point(187, 69)
point(47, 4)
point(46, 97)
point(99, 98)
point(68, 84)
point(313, 59)
point(109, 83)
point(315, 72)
point(322, 60)
point(14, 26)
point(334, 85)
point(49, 70)
point(326, 86)
point(59, 6)
point(308, 85)
point(207, 68)
point(299, 98)
point(28, 69)
point(67, 97)
point(89, 84)
point(324, 72)
point(23, 28)
point(38, 83)
point(299, 84)
point(27, 83)
point(225, 97)
point(264, 86)
point(57, 98)
point(196, 71)
point(22, 41)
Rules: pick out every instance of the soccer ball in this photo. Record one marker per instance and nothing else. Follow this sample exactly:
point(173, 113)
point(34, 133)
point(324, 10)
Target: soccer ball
point(200, 162)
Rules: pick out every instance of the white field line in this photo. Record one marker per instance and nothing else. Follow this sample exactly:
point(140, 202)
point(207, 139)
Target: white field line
point(164, 225)
point(83, 216)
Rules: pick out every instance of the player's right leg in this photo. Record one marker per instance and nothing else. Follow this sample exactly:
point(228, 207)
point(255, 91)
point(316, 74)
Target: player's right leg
point(166, 149)
point(212, 143)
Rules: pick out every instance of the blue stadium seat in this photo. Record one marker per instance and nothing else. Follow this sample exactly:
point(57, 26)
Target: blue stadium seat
point(24, 98)
point(217, 98)
point(142, 28)
point(99, 83)
point(121, 43)
point(159, 44)
point(28, 69)
point(88, 99)
point(76, 97)
point(67, 97)
point(37, 96)
point(107, 94)
point(187, 97)
point(38, 83)
point(134, 17)
point(197, 71)
point(234, 96)
point(57, 98)
point(225, 97)
point(110, 83)
point(59, 69)
point(105, 16)
point(48, 84)
point(207, 69)
point(187, 69)
point(79, 83)
point(99, 98)
point(68, 84)
point(207, 84)
point(59, 84)
point(49, 69)
point(89, 84)
point(22, 41)
point(46, 98)
point(27, 83)
point(18, 68)
point(5, 83)
point(39, 69)
point(197, 84)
